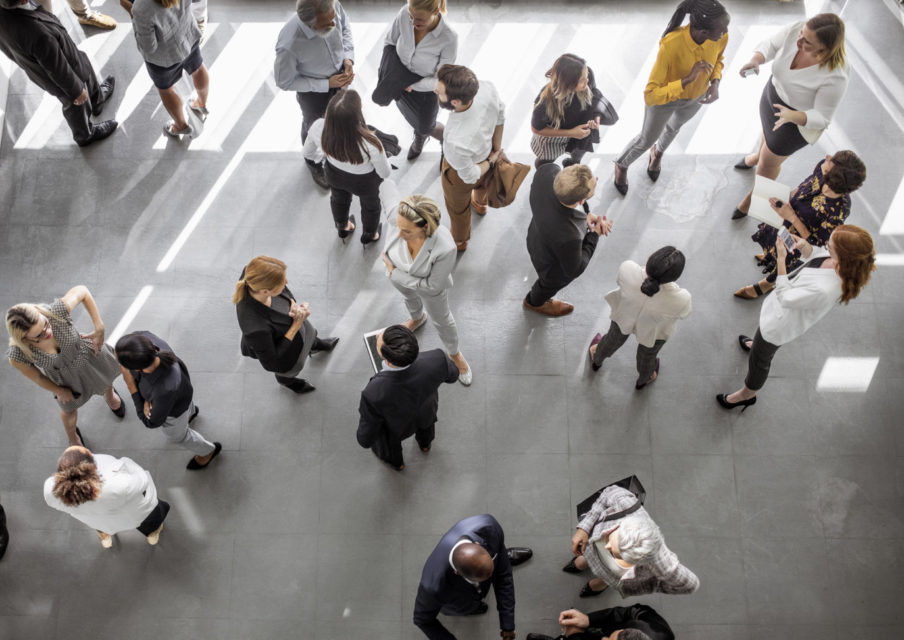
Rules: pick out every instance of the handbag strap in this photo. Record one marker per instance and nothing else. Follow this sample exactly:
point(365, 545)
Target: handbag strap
point(624, 512)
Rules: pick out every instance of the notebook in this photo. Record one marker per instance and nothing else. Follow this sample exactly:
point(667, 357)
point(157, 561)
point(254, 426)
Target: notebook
point(763, 189)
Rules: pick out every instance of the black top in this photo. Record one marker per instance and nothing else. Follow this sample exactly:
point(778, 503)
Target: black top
point(264, 332)
point(639, 616)
point(558, 248)
point(168, 388)
point(38, 43)
point(397, 403)
point(574, 113)
point(442, 588)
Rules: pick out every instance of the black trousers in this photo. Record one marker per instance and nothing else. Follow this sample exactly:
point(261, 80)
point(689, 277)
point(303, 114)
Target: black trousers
point(343, 186)
point(78, 117)
point(313, 106)
point(546, 288)
point(646, 356)
point(155, 518)
point(419, 109)
point(389, 449)
point(759, 362)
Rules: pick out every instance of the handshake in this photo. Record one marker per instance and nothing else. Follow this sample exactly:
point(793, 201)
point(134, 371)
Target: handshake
point(599, 224)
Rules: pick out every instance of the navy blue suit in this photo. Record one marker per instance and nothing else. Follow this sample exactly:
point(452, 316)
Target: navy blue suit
point(442, 590)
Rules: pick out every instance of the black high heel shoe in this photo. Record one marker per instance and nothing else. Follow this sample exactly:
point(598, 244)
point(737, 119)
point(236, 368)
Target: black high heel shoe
point(731, 405)
point(345, 233)
point(367, 238)
point(743, 340)
point(742, 164)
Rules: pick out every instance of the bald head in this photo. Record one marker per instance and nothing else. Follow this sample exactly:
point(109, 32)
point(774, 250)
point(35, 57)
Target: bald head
point(472, 562)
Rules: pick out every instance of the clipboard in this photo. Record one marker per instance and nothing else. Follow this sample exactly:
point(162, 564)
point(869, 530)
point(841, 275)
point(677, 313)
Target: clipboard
point(370, 345)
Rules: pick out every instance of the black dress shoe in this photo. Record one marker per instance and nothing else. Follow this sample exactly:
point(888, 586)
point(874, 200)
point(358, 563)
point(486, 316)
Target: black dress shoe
point(194, 465)
point(101, 130)
point(4, 532)
point(539, 636)
point(319, 175)
point(194, 414)
point(588, 592)
point(299, 385)
point(571, 567)
point(106, 90)
point(324, 344)
point(737, 214)
point(519, 555)
point(480, 610)
point(416, 146)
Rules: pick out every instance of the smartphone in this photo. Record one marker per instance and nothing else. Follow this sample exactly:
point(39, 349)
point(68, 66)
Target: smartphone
point(748, 72)
point(779, 204)
point(787, 238)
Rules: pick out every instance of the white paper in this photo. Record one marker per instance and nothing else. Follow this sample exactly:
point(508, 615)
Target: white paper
point(763, 189)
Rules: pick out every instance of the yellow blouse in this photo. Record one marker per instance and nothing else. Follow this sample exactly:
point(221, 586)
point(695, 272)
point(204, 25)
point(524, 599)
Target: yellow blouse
point(677, 54)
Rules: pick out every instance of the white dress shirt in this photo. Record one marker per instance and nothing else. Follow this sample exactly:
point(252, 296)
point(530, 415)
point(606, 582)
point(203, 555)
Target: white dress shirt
point(438, 47)
point(648, 318)
point(798, 303)
point(313, 150)
point(127, 496)
point(305, 59)
point(815, 90)
point(468, 138)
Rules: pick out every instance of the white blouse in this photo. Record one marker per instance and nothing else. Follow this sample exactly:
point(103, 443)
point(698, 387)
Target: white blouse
point(649, 318)
point(127, 496)
point(815, 90)
point(799, 302)
point(438, 47)
point(468, 137)
point(313, 150)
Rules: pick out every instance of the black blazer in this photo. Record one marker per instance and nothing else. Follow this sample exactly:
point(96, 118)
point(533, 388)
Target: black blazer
point(442, 588)
point(263, 334)
point(639, 616)
point(38, 43)
point(557, 248)
point(398, 403)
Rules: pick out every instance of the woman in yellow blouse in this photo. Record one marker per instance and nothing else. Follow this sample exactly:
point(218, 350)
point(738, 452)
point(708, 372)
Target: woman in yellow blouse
point(686, 75)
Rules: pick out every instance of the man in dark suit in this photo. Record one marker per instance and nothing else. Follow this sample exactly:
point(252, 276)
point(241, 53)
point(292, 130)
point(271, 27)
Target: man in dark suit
point(458, 574)
point(560, 239)
point(37, 41)
point(402, 399)
point(637, 622)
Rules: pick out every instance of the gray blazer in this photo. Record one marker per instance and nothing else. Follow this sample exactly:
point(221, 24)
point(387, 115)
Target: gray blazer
point(165, 37)
point(431, 271)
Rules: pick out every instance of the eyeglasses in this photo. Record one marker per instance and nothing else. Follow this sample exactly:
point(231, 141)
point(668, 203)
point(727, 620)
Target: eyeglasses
point(36, 339)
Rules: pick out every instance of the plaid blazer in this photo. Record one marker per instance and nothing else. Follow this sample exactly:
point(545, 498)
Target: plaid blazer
point(663, 572)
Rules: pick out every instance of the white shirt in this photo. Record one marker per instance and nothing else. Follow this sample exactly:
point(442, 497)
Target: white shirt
point(799, 302)
point(468, 138)
point(438, 47)
point(127, 496)
point(648, 318)
point(313, 150)
point(815, 91)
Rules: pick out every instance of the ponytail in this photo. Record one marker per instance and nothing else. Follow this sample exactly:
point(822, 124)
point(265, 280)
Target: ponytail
point(241, 290)
point(76, 480)
point(650, 286)
point(664, 266)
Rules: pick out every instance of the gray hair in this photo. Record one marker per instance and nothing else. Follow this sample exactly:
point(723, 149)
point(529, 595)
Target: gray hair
point(638, 539)
point(633, 634)
point(308, 10)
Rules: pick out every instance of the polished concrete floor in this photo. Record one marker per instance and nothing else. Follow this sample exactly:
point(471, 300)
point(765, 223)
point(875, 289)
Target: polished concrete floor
point(792, 514)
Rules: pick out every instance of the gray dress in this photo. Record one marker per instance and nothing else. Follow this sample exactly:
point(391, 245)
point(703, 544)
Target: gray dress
point(75, 366)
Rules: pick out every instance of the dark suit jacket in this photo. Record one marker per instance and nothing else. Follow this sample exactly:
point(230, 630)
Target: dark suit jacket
point(442, 589)
point(398, 403)
point(263, 334)
point(639, 616)
point(38, 43)
point(558, 249)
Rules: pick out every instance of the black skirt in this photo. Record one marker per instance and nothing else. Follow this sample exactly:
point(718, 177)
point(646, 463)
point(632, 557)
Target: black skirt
point(787, 139)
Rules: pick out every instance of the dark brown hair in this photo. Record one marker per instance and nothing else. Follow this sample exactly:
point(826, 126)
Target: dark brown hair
point(460, 82)
point(344, 129)
point(564, 76)
point(847, 173)
point(76, 480)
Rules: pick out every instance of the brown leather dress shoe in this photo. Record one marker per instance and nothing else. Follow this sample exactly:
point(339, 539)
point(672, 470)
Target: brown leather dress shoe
point(551, 307)
point(479, 209)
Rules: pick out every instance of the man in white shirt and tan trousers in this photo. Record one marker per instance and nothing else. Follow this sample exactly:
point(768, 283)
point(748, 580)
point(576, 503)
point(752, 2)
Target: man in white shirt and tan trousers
point(472, 142)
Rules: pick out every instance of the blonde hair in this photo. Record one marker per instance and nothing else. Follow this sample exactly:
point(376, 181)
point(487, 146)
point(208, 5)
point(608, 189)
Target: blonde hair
point(263, 272)
point(76, 480)
point(829, 30)
point(422, 212)
point(169, 4)
point(19, 321)
point(427, 5)
point(573, 184)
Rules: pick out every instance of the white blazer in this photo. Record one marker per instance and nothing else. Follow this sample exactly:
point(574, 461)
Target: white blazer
point(431, 271)
point(648, 318)
point(799, 302)
point(127, 496)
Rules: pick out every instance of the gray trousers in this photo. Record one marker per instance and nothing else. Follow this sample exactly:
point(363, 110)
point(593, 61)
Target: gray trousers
point(437, 307)
point(759, 362)
point(661, 123)
point(178, 432)
point(646, 356)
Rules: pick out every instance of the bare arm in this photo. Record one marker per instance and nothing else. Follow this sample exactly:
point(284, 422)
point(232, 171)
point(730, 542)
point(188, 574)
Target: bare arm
point(79, 294)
